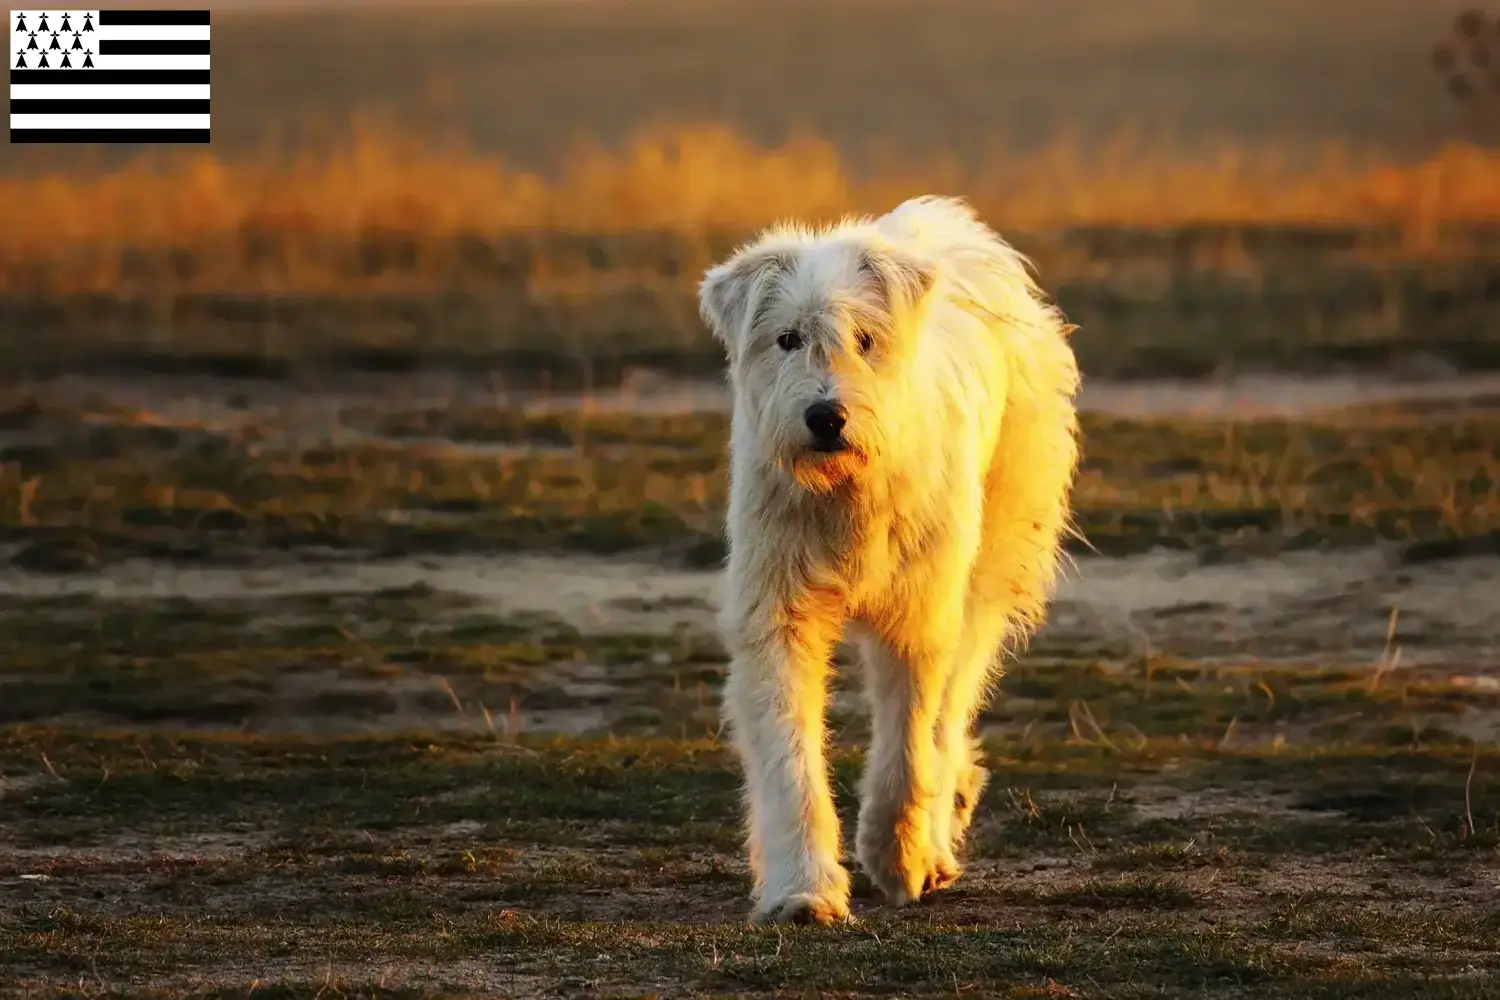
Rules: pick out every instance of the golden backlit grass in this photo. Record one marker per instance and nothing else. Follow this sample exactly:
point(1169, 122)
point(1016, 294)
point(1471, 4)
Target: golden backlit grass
point(687, 180)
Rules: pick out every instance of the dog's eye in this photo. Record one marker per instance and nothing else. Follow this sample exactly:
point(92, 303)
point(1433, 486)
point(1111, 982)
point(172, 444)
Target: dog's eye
point(789, 341)
point(866, 342)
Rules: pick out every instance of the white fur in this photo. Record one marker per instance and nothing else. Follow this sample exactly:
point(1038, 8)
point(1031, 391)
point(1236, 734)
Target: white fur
point(932, 542)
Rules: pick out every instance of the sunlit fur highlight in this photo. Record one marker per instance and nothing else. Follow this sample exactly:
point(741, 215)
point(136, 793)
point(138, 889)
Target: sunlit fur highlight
point(932, 542)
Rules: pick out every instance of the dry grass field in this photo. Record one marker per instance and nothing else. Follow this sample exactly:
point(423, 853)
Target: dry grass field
point(389, 252)
point(362, 482)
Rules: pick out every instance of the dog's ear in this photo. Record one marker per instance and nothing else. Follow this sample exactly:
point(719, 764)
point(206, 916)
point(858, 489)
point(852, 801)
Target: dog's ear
point(900, 278)
point(730, 290)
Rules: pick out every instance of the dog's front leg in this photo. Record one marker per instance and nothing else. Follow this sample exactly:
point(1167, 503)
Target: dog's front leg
point(903, 777)
point(775, 698)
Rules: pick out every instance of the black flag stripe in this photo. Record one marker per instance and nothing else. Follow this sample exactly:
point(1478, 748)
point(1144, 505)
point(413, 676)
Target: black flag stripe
point(109, 135)
point(153, 46)
point(133, 17)
point(111, 76)
point(110, 106)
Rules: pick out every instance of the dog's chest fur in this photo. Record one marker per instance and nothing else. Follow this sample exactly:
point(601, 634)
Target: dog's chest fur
point(866, 537)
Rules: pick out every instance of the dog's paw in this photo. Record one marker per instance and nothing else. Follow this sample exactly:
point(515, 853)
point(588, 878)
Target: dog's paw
point(803, 908)
point(898, 856)
point(942, 873)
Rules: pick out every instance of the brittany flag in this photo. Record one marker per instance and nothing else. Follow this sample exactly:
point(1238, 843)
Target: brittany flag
point(109, 76)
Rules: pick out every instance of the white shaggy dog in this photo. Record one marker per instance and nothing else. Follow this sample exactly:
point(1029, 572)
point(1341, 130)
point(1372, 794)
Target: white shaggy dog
point(902, 451)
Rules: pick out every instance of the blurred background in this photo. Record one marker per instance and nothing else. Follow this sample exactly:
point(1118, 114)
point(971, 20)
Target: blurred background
point(1203, 183)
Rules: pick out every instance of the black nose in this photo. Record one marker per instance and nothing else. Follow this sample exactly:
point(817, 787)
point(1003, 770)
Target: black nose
point(825, 420)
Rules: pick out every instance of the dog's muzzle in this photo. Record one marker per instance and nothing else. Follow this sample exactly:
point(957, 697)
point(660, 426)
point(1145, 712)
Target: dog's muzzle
point(826, 422)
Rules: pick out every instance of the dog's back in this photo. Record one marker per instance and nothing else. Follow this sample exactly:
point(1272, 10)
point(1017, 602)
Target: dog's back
point(979, 264)
point(1026, 504)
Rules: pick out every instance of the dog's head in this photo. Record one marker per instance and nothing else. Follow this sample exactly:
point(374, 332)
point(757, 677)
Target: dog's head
point(819, 329)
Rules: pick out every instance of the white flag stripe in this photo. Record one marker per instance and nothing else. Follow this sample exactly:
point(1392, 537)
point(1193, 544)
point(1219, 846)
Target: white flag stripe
point(109, 92)
point(108, 121)
point(113, 33)
point(75, 60)
point(147, 62)
point(148, 32)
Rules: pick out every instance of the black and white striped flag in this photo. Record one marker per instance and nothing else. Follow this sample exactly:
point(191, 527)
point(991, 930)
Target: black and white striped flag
point(108, 76)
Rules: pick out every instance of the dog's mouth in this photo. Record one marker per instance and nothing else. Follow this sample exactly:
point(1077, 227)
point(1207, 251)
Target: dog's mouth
point(823, 466)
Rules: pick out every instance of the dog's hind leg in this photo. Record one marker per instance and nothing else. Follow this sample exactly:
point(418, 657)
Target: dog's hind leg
point(775, 698)
point(962, 773)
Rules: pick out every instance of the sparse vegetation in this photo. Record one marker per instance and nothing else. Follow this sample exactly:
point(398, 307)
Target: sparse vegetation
point(109, 483)
point(467, 867)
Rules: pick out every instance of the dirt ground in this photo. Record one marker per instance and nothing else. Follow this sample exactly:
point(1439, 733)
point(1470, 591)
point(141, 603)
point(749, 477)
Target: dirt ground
point(1356, 608)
